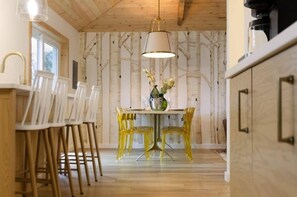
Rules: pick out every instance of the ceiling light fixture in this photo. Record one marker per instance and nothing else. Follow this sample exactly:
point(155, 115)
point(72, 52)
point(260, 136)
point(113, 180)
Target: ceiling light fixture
point(32, 10)
point(157, 43)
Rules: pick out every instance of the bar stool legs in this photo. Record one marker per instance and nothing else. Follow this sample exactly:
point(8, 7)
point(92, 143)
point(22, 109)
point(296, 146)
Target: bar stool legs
point(84, 154)
point(33, 169)
point(97, 149)
point(76, 158)
point(50, 164)
point(63, 138)
point(31, 164)
point(60, 137)
point(90, 128)
point(92, 153)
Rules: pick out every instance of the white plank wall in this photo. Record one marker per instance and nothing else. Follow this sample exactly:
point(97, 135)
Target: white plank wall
point(198, 71)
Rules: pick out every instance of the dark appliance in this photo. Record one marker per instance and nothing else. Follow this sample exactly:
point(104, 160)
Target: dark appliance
point(281, 13)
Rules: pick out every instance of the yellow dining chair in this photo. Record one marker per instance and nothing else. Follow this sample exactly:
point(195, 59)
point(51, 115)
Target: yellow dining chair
point(124, 132)
point(185, 131)
point(127, 131)
point(146, 131)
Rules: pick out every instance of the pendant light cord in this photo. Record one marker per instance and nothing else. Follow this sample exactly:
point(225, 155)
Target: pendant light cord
point(159, 10)
point(159, 18)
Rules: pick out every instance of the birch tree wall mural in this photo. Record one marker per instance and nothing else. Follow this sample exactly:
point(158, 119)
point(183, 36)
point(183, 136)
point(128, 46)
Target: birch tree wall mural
point(114, 63)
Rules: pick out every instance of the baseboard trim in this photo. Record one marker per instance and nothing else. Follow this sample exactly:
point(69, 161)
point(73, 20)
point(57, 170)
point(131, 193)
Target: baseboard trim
point(227, 176)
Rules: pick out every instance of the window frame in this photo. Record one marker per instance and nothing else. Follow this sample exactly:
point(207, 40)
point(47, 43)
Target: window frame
point(43, 38)
point(60, 39)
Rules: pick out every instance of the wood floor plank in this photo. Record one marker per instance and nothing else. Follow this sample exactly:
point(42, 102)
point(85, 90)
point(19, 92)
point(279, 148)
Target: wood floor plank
point(203, 177)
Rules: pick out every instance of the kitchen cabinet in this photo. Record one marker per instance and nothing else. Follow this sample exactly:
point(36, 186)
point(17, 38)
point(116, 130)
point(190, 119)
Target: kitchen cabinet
point(241, 139)
point(263, 123)
point(12, 99)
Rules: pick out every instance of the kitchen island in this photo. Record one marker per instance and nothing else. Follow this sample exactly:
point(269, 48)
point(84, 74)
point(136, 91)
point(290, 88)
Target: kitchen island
point(8, 116)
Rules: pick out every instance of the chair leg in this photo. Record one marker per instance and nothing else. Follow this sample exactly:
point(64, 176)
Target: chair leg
point(97, 149)
point(59, 163)
point(146, 145)
point(31, 164)
point(84, 154)
point(37, 151)
point(91, 150)
point(189, 149)
point(119, 146)
point(53, 155)
point(67, 141)
point(77, 160)
point(63, 138)
point(131, 140)
point(163, 145)
point(50, 163)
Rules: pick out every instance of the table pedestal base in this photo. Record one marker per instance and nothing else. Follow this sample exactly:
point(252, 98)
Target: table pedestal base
point(153, 148)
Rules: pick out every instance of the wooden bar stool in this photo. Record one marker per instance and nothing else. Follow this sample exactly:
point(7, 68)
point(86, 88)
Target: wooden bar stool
point(35, 118)
point(57, 124)
point(74, 121)
point(90, 121)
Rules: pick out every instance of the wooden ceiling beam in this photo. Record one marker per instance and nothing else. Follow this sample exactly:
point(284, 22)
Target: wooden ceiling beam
point(180, 13)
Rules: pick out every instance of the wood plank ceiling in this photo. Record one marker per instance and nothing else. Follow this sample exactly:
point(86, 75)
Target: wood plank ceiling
point(136, 15)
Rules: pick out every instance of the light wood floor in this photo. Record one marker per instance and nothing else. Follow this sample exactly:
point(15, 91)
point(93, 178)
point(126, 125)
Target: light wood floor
point(202, 177)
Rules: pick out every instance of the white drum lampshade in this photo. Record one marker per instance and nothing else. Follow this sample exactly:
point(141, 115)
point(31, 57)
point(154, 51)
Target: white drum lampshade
point(157, 45)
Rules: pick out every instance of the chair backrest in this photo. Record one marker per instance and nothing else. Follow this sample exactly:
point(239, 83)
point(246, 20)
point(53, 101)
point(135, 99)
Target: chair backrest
point(92, 105)
point(78, 105)
point(39, 99)
point(124, 120)
point(188, 116)
point(59, 101)
point(121, 118)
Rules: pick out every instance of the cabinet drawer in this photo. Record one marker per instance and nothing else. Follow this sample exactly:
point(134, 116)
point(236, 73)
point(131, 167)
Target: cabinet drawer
point(241, 135)
point(274, 162)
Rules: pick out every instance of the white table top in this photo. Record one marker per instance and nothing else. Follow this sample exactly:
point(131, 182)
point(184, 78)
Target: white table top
point(285, 39)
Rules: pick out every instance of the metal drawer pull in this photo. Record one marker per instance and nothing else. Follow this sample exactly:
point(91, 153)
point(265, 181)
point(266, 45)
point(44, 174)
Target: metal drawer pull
point(245, 130)
point(290, 140)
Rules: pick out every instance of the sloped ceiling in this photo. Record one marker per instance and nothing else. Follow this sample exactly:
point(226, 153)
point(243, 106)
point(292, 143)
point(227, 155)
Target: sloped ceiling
point(136, 15)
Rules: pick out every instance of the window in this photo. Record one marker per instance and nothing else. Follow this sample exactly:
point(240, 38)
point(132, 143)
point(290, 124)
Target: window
point(45, 52)
point(49, 50)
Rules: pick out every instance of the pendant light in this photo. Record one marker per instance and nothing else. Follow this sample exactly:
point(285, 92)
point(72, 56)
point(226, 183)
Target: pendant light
point(32, 10)
point(157, 43)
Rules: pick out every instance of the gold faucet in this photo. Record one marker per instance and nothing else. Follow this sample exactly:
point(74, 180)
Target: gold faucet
point(2, 67)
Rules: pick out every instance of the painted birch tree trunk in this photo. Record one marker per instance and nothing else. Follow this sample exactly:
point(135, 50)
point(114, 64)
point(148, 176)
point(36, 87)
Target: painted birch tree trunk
point(99, 84)
point(222, 85)
point(82, 61)
point(198, 138)
point(114, 82)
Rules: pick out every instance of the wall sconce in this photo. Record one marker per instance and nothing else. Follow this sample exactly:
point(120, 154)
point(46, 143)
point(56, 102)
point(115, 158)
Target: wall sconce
point(157, 43)
point(32, 10)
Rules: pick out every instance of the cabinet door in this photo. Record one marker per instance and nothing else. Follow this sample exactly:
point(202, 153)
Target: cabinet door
point(274, 162)
point(240, 135)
